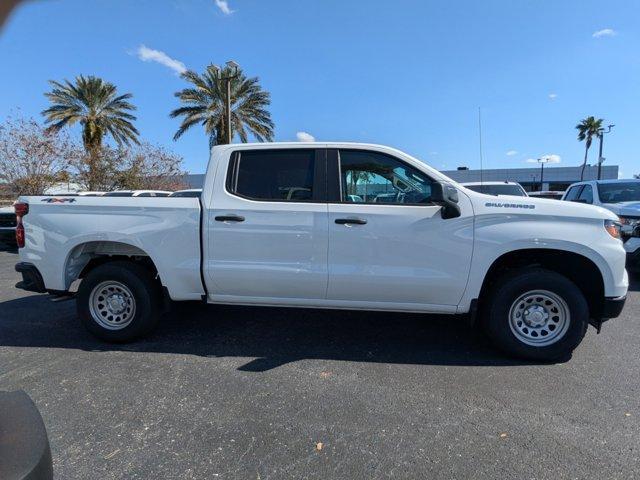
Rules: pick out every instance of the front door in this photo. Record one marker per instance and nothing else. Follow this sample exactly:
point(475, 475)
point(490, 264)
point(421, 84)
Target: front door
point(268, 227)
point(388, 244)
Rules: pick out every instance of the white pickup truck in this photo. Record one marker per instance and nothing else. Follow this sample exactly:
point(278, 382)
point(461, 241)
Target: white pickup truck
point(302, 225)
point(622, 197)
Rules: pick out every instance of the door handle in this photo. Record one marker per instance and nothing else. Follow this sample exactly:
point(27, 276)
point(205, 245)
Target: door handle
point(229, 218)
point(350, 221)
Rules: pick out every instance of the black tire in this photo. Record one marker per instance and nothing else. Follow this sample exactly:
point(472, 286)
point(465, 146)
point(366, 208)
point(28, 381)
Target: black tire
point(145, 291)
point(509, 288)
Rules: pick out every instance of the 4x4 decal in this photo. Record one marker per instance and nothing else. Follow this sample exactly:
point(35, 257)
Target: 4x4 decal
point(58, 200)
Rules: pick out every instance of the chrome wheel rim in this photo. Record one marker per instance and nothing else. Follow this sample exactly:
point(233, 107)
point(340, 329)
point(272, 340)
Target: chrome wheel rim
point(539, 318)
point(112, 305)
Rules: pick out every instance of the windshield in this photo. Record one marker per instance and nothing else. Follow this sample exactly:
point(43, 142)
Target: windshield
point(619, 192)
point(503, 189)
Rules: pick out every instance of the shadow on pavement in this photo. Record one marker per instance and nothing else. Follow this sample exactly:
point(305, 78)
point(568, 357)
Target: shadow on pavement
point(274, 336)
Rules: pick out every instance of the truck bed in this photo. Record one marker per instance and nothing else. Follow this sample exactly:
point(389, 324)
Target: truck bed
point(64, 233)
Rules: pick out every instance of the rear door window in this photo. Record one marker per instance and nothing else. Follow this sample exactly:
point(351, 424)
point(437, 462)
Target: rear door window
point(273, 175)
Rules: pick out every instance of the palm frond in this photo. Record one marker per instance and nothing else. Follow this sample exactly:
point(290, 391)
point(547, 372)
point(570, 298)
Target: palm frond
point(203, 102)
point(96, 105)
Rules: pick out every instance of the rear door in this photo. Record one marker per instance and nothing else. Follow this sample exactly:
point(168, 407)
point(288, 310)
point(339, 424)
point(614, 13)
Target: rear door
point(388, 244)
point(267, 227)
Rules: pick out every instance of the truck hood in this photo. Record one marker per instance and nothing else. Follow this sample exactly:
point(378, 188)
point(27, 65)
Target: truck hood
point(506, 204)
point(624, 209)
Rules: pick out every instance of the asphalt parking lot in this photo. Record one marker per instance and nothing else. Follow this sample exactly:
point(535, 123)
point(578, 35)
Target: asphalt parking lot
point(251, 393)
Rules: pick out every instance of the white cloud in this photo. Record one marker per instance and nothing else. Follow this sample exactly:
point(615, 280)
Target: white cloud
point(553, 96)
point(511, 153)
point(147, 54)
point(553, 158)
point(223, 5)
point(305, 137)
point(605, 32)
point(433, 153)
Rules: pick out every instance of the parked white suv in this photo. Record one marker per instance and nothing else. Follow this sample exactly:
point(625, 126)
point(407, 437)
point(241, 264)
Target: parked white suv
point(137, 193)
point(497, 188)
point(536, 272)
point(622, 197)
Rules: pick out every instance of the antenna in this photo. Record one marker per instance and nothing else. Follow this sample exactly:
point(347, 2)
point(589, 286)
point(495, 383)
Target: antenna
point(480, 140)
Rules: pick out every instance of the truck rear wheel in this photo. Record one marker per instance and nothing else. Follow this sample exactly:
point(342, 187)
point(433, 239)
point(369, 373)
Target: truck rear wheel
point(536, 314)
point(119, 302)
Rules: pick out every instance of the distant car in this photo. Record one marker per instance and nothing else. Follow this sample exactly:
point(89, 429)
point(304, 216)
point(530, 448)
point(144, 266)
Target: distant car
point(137, 193)
point(90, 194)
point(556, 195)
point(194, 192)
point(622, 197)
point(497, 188)
point(7, 224)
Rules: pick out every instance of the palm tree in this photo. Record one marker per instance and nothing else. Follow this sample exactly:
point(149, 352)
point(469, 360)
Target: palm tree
point(204, 104)
point(587, 129)
point(96, 105)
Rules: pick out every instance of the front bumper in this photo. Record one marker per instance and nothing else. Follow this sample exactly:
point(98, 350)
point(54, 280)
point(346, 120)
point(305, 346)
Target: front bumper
point(31, 278)
point(612, 307)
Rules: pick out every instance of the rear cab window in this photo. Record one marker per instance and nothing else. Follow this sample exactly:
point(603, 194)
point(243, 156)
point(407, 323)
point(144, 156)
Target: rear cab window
point(279, 175)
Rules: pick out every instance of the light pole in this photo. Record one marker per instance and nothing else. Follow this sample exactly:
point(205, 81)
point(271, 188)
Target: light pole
point(601, 133)
point(235, 68)
point(542, 161)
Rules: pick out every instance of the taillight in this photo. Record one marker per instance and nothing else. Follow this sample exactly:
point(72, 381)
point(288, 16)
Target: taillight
point(21, 210)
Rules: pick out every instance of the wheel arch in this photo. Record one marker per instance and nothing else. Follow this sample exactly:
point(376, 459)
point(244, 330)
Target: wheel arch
point(86, 256)
point(578, 268)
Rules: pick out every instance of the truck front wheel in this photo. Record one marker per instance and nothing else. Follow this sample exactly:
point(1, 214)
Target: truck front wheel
point(119, 301)
point(536, 314)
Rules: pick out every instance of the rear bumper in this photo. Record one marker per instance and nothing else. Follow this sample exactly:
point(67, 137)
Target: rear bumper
point(7, 233)
point(31, 278)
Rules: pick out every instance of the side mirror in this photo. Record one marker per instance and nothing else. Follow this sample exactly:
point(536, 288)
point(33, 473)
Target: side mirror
point(445, 195)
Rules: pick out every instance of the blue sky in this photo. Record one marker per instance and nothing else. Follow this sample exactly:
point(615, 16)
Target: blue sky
point(406, 73)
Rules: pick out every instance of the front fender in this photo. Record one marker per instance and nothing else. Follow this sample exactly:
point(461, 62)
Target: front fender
point(496, 237)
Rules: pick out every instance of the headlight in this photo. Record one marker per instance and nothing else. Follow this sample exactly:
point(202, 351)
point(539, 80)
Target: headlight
point(613, 228)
